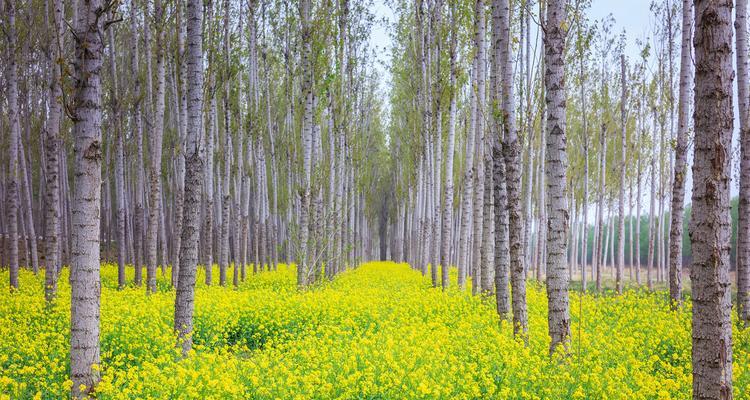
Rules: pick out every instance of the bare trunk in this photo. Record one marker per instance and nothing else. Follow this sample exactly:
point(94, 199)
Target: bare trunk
point(15, 137)
point(743, 224)
point(599, 227)
point(119, 165)
point(27, 208)
point(185, 298)
point(480, 219)
point(138, 234)
point(678, 188)
point(52, 149)
point(304, 269)
point(557, 164)
point(447, 222)
point(652, 234)
point(621, 203)
point(710, 227)
point(154, 209)
point(85, 283)
point(227, 152)
point(467, 210)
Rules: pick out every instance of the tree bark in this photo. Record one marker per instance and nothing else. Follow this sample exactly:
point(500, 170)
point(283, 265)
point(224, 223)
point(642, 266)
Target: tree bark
point(136, 120)
point(119, 164)
point(678, 184)
point(557, 163)
point(621, 202)
point(743, 223)
point(710, 227)
point(154, 209)
point(185, 298)
point(303, 268)
point(52, 149)
point(85, 283)
point(447, 222)
point(15, 137)
point(480, 219)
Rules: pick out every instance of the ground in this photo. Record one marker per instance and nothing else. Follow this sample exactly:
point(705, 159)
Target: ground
point(376, 332)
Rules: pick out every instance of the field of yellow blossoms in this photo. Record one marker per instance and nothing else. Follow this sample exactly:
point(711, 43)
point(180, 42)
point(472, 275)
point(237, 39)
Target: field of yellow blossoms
point(377, 332)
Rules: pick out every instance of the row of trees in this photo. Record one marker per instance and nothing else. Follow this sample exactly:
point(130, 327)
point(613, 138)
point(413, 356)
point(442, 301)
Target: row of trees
point(172, 134)
point(542, 121)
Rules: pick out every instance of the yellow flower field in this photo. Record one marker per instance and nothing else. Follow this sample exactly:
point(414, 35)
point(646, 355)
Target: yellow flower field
point(377, 332)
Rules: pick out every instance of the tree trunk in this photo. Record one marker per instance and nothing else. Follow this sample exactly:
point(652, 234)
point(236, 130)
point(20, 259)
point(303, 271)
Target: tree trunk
point(447, 222)
point(480, 219)
point(119, 164)
point(227, 152)
point(136, 120)
point(652, 210)
point(710, 227)
point(28, 216)
point(743, 223)
point(584, 123)
point(467, 210)
point(179, 210)
point(154, 209)
point(599, 227)
point(621, 203)
point(557, 164)
point(303, 269)
point(512, 158)
point(678, 185)
point(85, 283)
point(15, 137)
point(208, 194)
point(185, 298)
point(52, 146)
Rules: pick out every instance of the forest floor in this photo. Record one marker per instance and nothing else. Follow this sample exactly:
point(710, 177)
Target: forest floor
point(376, 332)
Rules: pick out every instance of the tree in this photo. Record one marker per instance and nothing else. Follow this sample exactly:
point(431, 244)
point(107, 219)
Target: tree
point(52, 150)
point(304, 269)
point(119, 163)
point(621, 201)
point(85, 283)
point(678, 184)
point(480, 219)
point(447, 222)
point(557, 164)
point(157, 132)
point(13, 191)
point(512, 159)
point(500, 69)
point(710, 224)
point(194, 159)
point(137, 123)
point(743, 220)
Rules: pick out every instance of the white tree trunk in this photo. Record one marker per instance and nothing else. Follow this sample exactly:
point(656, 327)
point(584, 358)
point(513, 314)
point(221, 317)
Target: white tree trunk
point(85, 283)
point(678, 184)
point(15, 137)
point(621, 200)
point(743, 224)
point(119, 164)
point(557, 164)
point(303, 269)
point(480, 219)
point(447, 222)
point(194, 156)
point(52, 149)
point(154, 210)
